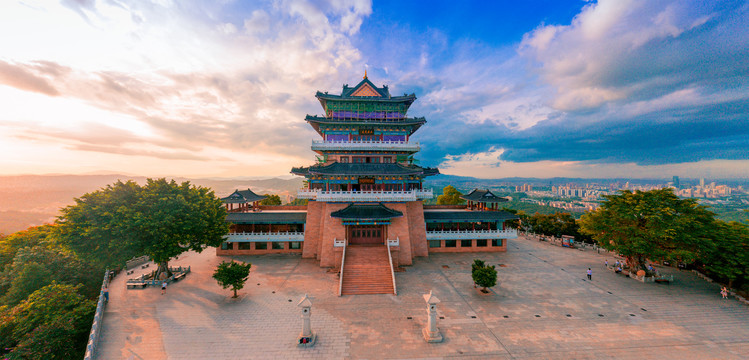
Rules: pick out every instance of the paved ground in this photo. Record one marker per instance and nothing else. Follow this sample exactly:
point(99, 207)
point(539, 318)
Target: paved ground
point(544, 308)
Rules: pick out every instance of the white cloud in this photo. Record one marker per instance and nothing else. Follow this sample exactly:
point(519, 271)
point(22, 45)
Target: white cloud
point(189, 84)
point(259, 22)
point(592, 61)
point(486, 165)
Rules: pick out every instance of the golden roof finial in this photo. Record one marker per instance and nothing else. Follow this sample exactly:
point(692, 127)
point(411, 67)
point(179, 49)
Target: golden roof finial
point(365, 73)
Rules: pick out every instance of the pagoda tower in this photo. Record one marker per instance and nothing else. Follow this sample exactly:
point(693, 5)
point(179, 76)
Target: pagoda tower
point(366, 187)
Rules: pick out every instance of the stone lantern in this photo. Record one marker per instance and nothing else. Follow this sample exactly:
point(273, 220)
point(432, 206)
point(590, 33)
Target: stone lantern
point(431, 332)
point(307, 338)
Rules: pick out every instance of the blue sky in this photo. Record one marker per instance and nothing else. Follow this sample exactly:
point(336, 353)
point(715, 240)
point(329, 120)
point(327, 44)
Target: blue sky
point(615, 88)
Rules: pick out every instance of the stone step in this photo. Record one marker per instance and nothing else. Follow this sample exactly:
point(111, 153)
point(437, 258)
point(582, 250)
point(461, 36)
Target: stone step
point(367, 271)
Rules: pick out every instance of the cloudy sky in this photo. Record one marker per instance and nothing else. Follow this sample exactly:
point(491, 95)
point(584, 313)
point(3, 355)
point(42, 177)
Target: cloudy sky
point(537, 88)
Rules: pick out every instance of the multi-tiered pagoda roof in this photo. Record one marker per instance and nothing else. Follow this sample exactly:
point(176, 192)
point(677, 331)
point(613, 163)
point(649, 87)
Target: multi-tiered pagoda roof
point(338, 168)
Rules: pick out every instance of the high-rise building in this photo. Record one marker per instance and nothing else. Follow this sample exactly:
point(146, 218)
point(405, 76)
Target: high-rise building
point(676, 182)
point(702, 182)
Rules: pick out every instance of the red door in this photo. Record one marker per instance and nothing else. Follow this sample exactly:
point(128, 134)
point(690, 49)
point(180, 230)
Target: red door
point(366, 235)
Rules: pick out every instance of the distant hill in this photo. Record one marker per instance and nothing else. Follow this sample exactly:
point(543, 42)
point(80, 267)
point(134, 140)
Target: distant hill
point(30, 200)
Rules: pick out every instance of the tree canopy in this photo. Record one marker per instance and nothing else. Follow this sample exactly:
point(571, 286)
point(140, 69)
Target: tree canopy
point(298, 202)
point(654, 225)
point(271, 199)
point(729, 259)
point(161, 219)
point(484, 276)
point(52, 323)
point(450, 196)
point(232, 274)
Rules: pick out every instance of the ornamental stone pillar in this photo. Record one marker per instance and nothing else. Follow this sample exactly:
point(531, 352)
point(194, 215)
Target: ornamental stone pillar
point(306, 338)
point(431, 332)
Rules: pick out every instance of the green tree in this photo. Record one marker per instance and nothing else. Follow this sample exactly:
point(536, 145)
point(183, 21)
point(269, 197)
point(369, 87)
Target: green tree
point(556, 224)
point(232, 274)
point(477, 264)
point(485, 277)
point(729, 259)
point(298, 202)
point(161, 219)
point(271, 199)
point(53, 323)
point(654, 225)
point(450, 196)
point(9, 245)
point(101, 225)
point(173, 218)
point(38, 266)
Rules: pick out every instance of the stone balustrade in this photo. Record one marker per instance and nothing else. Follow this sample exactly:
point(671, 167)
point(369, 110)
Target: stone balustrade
point(472, 234)
point(365, 196)
point(365, 145)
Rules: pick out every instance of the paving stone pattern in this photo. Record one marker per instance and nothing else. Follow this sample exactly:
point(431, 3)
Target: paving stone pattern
point(543, 308)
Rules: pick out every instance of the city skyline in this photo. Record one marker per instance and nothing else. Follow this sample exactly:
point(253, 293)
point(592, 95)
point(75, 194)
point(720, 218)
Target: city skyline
point(607, 89)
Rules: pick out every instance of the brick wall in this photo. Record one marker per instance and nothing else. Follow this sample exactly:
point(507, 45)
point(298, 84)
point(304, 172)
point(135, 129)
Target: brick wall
point(399, 228)
point(253, 251)
point(312, 230)
point(330, 229)
point(283, 207)
point(417, 229)
point(472, 248)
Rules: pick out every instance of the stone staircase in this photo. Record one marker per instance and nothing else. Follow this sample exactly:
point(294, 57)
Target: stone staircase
point(366, 271)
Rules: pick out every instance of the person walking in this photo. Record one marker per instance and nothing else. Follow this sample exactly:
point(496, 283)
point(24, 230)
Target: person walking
point(163, 287)
point(106, 293)
point(590, 274)
point(606, 263)
point(724, 292)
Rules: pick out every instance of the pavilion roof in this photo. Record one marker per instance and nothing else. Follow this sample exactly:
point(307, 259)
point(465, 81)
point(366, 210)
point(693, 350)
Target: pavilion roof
point(366, 212)
point(414, 123)
point(385, 169)
point(365, 91)
point(242, 197)
point(483, 196)
point(267, 217)
point(439, 216)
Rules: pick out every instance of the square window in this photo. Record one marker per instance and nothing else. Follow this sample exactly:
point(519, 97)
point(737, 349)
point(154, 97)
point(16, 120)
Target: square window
point(496, 242)
point(344, 159)
point(277, 245)
point(481, 243)
point(435, 243)
point(451, 243)
point(226, 246)
point(295, 245)
point(261, 246)
point(465, 243)
point(245, 246)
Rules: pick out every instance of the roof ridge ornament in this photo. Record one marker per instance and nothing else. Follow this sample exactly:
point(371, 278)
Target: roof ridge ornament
point(365, 73)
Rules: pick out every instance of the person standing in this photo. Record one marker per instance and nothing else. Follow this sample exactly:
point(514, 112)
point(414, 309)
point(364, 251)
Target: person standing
point(724, 292)
point(163, 287)
point(606, 263)
point(106, 293)
point(590, 274)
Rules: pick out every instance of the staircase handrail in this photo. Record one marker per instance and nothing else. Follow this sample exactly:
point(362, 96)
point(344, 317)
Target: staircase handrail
point(343, 261)
point(392, 271)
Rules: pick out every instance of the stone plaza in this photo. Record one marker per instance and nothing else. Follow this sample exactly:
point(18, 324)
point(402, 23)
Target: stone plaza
point(542, 308)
